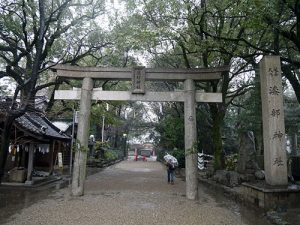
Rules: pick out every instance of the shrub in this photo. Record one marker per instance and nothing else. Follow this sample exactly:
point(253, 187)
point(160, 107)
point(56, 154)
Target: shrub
point(231, 162)
point(110, 155)
point(179, 154)
point(160, 155)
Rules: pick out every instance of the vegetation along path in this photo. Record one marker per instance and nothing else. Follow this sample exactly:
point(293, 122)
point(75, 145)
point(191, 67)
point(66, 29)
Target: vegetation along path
point(134, 193)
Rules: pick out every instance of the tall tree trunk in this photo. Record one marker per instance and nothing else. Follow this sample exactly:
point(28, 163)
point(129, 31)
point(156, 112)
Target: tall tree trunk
point(291, 76)
point(5, 138)
point(217, 117)
point(258, 113)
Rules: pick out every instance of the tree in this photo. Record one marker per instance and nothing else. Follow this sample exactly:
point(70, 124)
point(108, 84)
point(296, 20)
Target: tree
point(6, 87)
point(170, 126)
point(282, 19)
point(186, 34)
point(292, 115)
point(265, 27)
point(34, 34)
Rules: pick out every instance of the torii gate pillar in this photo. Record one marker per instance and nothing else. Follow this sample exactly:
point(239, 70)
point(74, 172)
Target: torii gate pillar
point(190, 140)
point(79, 171)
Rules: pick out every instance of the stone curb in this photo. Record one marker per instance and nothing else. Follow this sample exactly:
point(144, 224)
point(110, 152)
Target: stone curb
point(236, 195)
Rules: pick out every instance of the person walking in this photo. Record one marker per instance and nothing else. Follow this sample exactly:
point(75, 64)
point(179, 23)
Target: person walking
point(171, 171)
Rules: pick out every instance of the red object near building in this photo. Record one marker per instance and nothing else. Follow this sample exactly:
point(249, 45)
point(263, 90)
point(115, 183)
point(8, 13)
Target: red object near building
point(135, 155)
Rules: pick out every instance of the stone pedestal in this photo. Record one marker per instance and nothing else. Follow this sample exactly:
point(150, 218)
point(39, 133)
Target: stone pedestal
point(17, 175)
point(269, 197)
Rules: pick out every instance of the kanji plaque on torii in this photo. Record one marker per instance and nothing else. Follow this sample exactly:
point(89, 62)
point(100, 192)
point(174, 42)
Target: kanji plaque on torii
point(138, 80)
point(273, 121)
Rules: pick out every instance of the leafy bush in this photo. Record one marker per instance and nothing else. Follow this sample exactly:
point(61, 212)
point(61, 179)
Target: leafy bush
point(99, 149)
point(160, 155)
point(110, 155)
point(179, 154)
point(231, 162)
point(119, 153)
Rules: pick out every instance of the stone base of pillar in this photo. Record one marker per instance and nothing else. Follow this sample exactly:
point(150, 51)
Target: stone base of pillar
point(29, 182)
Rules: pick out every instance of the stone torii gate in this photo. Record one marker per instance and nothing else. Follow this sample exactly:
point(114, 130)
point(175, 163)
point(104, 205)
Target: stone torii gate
point(138, 76)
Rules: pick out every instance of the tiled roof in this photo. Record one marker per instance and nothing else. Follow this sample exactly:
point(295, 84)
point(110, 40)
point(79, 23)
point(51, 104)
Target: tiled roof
point(36, 124)
point(40, 125)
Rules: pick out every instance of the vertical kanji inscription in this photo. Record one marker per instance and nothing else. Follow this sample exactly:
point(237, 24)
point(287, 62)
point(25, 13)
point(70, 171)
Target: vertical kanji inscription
point(138, 80)
point(273, 121)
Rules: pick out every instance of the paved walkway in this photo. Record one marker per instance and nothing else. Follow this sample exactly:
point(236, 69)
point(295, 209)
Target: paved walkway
point(132, 193)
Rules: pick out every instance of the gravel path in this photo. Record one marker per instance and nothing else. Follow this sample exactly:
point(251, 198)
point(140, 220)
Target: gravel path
point(128, 193)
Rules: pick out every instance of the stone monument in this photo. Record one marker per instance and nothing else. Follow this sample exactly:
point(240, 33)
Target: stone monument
point(275, 159)
point(247, 163)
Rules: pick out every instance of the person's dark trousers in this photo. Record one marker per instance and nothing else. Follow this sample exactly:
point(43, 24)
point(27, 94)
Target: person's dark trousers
point(170, 176)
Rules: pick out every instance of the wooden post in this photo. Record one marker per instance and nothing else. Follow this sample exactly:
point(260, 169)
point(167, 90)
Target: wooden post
point(30, 164)
point(79, 170)
point(51, 152)
point(59, 156)
point(190, 140)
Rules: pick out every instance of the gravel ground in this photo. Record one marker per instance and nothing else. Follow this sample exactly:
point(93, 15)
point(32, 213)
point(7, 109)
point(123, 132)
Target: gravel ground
point(128, 193)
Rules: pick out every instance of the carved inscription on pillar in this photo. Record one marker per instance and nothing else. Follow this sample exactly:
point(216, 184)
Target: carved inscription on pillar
point(138, 80)
point(273, 121)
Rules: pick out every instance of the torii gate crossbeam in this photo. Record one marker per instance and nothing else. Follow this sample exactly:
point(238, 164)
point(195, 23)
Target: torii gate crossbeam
point(171, 96)
point(200, 74)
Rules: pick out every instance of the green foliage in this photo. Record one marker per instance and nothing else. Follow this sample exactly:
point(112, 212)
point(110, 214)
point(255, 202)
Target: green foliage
point(100, 110)
point(192, 150)
point(171, 131)
point(169, 128)
point(244, 115)
point(292, 119)
point(98, 145)
point(205, 142)
point(231, 162)
point(160, 155)
point(189, 34)
point(99, 148)
point(179, 154)
point(79, 147)
point(62, 110)
point(292, 114)
point(110, 155)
